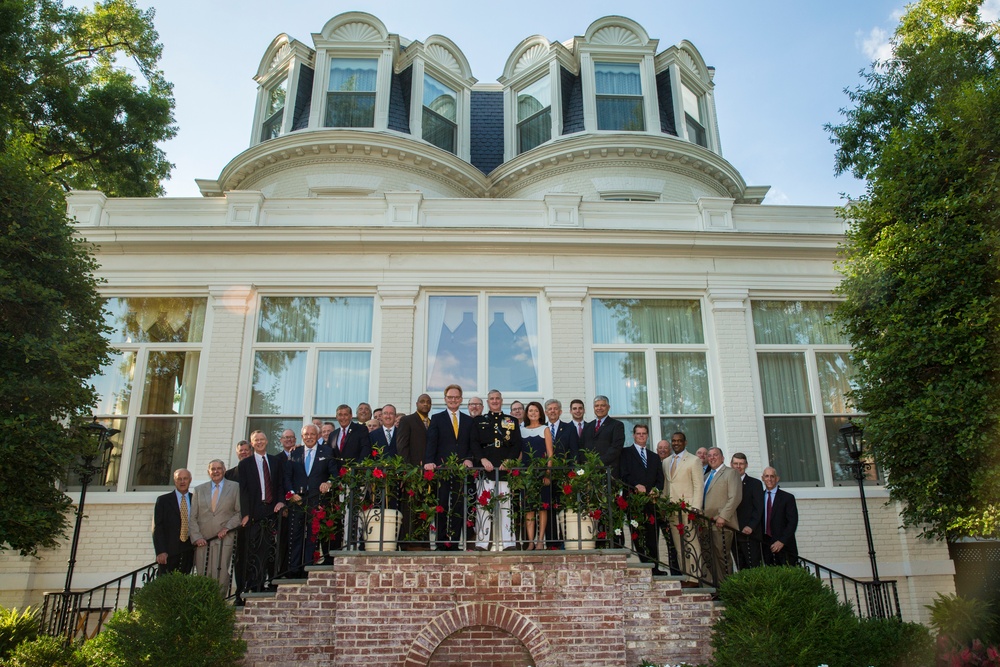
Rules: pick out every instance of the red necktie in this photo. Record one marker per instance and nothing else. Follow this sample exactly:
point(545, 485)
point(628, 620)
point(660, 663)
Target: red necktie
point(597, 426)
point(268, 496)
point(343, 436)
point(767, 523)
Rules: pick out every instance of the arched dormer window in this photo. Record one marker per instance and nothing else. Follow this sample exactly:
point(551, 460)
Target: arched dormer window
point(533, 94)
point(284, 78)
point(351, 89)
point(440, 114)
point(693, 98)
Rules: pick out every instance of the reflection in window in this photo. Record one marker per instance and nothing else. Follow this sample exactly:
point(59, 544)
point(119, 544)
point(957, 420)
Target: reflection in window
point(619, 96)
point(274, 111)
point(114, 385)
point(683, 383)
point(621, 376)
point(350, 98)
point(155, 319)
point(303, 319)
point(692, 117)
point(836, 374)
point(795, 323)
point(278, 382)
point(161, 446)
point(649, 321)
point(440, 121)
point(452, 342)
point(513, 344)
point(272, 428)
point(342, 377)
point(534, 115)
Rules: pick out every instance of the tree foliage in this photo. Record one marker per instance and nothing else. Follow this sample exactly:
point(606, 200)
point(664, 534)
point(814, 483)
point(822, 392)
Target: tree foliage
point(922, 271)
point(72, 115)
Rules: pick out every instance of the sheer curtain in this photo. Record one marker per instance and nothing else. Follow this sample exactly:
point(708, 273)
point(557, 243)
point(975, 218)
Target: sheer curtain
point(315, 320)
point(278, 382)
point(621, 376)
point(792, 441)
point(353, 74)
point(341, 377)
point(683, 383)
point(647, 321)
point(796, 323)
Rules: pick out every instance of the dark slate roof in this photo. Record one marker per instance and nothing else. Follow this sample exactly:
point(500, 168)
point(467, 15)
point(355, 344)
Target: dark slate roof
point(303, 98)
point(572, 99)
point(399, 101)
point(665, 97)
point(486, 150)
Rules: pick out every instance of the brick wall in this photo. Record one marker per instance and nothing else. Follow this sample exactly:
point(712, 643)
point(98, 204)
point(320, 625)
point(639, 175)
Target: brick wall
point(478, 610)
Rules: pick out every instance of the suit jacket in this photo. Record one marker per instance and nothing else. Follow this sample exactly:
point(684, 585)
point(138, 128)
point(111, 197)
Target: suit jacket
point(566, 444)
point(608, 442)
point(206, 524)
point(356, 447)
point(750, 511)
point(496, 437)
point(687, 482)
point(167, 524)
point(784, 519)
point(441, 440)
point(634, 473)
point(251, 503)
point(724, 495)
point(377, 437)
point(324, 466)
point(411, 439)
point(233, 474)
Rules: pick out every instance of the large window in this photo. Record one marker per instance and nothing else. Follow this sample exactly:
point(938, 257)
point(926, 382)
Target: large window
point(274, 111)
point(619, 96)
point(650, 361)
point(534, 115)
point(693, 117)
point(311, 354)
point(440, 126)
point(805, 372)
point(350, 98)
point(504, 356)
point(148, 389)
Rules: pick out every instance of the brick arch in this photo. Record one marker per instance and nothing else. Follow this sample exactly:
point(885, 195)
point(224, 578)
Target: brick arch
point(450, 622)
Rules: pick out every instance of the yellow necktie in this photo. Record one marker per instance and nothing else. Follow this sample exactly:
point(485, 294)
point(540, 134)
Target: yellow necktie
point(454, 423)
point(215, 496)
point(184, 517)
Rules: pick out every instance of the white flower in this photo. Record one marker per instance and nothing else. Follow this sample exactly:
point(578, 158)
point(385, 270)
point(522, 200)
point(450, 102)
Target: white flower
point(618, 531)
point(579, 473)
point(635, 524)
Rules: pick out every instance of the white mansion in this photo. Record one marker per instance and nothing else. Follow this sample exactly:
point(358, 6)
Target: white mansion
point(396, 226)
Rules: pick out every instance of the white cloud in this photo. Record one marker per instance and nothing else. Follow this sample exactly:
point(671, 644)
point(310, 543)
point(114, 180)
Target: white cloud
point(876, 44)
point(990, 10)
point(776, 197)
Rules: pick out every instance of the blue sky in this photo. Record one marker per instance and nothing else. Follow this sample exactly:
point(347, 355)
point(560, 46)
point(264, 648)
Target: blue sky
point(781, 67)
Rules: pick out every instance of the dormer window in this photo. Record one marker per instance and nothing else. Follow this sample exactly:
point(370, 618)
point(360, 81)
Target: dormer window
point(274, 112)
point(350, 98)
point(619, 96)
point(534, 115)
point(693, 117)
point(440, 124)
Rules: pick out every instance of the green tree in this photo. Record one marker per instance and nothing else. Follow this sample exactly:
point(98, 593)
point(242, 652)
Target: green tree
point(72, 115)
point(922, 269)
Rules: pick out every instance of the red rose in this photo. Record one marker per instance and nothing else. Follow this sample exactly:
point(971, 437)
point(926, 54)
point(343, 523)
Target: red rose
point(515, 473)
point(374, 453)
point(316, 556)
point(378, 474)
point(545, 506)
point(289, 495)
point(571, 474)
point(567, 489)
point(428, 475)
point(470, 523)
point(366, 507)
point(595, 515)
point(411, 492)
point(651, 519)
point(680, 529)
point(691, 516)
point(329, 523)
point(602, 535)
point(343, 471)
point(484, 498)
point(320, 513)
point(683, 505)
point(439, 509)
point(423, 516)
point(622, 503)
point(635, 536)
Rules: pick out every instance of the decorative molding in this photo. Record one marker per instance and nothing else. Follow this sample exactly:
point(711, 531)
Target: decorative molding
point(530, 58)
point(445, 58)
point(728, 298)
point(234, 298)
point(356, 32)
point(563, 210)
point(616, 36)
point(716, 213)
point(85, 207)
point(403, 208)
point(244, 207)
point(398, 296)
point(566, 297)
point(279, 56)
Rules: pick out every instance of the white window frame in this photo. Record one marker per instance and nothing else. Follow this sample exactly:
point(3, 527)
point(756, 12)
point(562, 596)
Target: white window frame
point(421, 66)
point(647, 78)
point(321, 80)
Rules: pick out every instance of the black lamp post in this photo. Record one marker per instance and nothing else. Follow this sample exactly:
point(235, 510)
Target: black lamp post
point(86, 471)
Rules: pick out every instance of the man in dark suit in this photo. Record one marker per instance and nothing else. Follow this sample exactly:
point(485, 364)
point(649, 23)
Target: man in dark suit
point(565, 445)
point(642, 472)
point(411, 443)
point(781, 518)
point(385, 436)
point(243, 450)
point(262, 493)
point(349, 442)
point(307, 476)
point(605, 435)
point(450, 432)
point(171, 539)
point(749, 515)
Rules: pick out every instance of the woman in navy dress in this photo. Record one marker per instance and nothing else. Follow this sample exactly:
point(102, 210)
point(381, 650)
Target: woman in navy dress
point(537, 443)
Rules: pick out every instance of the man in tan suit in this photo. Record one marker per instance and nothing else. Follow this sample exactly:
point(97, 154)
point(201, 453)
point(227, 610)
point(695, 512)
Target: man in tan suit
point(683, 483)
point(215, 512)
point(723, 493)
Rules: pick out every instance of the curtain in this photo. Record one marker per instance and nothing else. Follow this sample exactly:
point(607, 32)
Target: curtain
point(315, 320)
point(795, 323)
point(792, 448)
point(683, 383)
point(835, 371)
point(341, 377)
point(784, 383)
point(278, 382)
point(353, 74)
point(617, 79)
point(621, 376)
point(452, 342)
point(647, 321)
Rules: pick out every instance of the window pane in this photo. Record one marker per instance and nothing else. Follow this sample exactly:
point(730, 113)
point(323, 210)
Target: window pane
point(792, 449)
point(155, 319)
point(114, 385)
point(835, 372)
point(690, 101)
point(353, 74)
point(439, 98)
point(699, 431)
point(534, 131)
point(276, 98)
point(439, 131)
point(619, 96)
point(170, 383)
point(647, 321)
point(109, 480)
point(683, 383)
point(272, 428)
point(315, 320)
point(533, 98)
point(350, 110)
point(795, 323)
point(621, 376)
point(160, 447)
point(630, 423)
point(452, 334)
point(279, 378)
point(342, 377)
point(617, 79)
point(695, 132)
point(840, 460)
point(513, 343)
point(783, 382)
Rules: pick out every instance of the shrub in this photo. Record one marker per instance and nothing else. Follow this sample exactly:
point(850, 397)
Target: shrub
point(778, 616)
point(178, 619)
point(15, 628)
point(887, 642)
point(963, 620)
point(45, 651)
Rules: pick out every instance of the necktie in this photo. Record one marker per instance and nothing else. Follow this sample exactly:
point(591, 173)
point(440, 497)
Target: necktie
point(454, 423)
point(673, 464)
point(343, 436)
point(708, 480)
point(579, 429)
point(268, 496)
point(184, 517)
point(767, 521)
point(388, 435)
point(425, 421)
point(597, 426)
point(215, 496)
point(642, 453)
point(309, 461)
point(553, 432)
